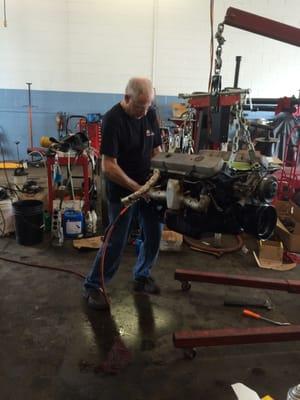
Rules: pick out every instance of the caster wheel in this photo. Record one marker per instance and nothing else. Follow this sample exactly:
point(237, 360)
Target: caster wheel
point(185, 286)
point(190, 354)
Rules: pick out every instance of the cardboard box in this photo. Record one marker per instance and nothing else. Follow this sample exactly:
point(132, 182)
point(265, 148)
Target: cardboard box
point(271, 256)
point(170, 241)
point(270, 250)
point(288, 225)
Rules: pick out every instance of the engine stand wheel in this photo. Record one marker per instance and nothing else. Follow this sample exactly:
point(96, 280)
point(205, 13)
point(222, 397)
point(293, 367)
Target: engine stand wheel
point(190, 354)
point(186, 286)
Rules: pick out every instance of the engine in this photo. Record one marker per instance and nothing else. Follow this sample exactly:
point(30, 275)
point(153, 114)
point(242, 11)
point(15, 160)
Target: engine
point(204, 192)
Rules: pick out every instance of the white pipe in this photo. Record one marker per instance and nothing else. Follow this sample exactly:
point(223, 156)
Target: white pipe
point(133, 197)
point(154, 41)
point(4, 14)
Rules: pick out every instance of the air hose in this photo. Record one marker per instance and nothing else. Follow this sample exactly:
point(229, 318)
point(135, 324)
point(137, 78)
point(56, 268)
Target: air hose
point(42, 266)
point(106, 240)
point(127, 202)
point(217, 251)
point(133, 198)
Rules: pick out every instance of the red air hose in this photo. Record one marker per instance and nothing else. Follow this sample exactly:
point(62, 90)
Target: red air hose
point(106, 240)
point(78, 274)
point(130, 201)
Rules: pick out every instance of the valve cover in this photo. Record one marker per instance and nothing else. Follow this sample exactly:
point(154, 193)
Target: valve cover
point(204, 165)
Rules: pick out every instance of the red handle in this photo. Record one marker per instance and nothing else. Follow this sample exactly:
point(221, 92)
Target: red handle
point(252, 314)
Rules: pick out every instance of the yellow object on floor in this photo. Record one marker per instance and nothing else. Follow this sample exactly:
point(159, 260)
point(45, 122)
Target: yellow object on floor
point(88, 243)
point(9, 165)
point(267, 398)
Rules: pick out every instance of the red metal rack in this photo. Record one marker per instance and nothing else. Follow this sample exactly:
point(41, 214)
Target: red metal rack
point(94, 133)
point(289, 178)
point(82, 161)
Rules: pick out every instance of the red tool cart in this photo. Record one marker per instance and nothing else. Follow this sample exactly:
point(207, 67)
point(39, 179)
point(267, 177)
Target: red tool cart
point(82, 161)
point(94, 133)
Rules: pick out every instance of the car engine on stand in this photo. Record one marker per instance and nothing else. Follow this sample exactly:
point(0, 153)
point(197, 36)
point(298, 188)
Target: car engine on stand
point(202, 193)
point(218, 191)
point(215, 191)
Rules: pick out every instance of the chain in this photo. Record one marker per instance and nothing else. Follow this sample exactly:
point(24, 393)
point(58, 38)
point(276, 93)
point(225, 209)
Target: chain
point(187, 132)
point(241, 127)
point(221, 40)
point(241, 132)
point(216, 83)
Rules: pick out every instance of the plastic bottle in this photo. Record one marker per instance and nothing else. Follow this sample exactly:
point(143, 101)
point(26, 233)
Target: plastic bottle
point(94, 222)
point(88, 223)
point(294, 393)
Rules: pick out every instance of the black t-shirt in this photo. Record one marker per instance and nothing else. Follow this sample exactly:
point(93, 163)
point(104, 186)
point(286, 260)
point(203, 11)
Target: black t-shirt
point(131, 141)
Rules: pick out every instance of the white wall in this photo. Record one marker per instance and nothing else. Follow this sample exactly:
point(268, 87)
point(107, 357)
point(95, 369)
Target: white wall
point(96, 45)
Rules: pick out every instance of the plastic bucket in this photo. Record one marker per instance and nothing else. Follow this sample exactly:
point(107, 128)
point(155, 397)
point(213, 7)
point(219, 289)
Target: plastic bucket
point(28, 221)
point(72, 223)
point(7, 223)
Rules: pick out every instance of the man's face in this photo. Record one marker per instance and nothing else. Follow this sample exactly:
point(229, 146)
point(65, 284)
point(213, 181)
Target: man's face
point(138, 107)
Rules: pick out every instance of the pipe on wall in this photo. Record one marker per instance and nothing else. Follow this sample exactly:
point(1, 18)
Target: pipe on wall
point(154, 41)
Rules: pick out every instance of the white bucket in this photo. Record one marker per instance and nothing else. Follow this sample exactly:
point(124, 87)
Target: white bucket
point(7, 220)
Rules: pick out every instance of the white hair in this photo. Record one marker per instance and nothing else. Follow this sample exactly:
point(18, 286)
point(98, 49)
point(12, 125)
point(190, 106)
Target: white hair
point(137, 86)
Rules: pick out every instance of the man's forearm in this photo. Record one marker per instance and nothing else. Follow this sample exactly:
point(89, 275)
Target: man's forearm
point(117, 175)
point(156, 150)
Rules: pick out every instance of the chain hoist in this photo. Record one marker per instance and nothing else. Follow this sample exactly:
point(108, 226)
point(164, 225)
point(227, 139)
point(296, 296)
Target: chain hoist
point(241, 133)
point(241, 128)
point(216, 83)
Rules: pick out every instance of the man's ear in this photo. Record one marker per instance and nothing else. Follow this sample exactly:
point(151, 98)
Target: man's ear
point(126, 98)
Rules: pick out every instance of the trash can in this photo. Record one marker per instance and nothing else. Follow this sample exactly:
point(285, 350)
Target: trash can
point(28, 221)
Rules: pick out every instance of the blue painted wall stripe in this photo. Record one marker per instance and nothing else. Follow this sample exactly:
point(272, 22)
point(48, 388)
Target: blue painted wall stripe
point(45, 105)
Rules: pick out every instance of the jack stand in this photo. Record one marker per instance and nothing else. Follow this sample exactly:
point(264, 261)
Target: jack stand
point(188, 340)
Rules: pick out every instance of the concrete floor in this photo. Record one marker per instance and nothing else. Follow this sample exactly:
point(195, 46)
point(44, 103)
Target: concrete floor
point(53, 347)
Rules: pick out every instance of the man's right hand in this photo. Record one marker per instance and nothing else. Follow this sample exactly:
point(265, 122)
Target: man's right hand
point(114, 172)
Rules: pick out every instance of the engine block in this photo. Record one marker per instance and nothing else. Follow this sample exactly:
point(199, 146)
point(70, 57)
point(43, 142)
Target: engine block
point(202, 193)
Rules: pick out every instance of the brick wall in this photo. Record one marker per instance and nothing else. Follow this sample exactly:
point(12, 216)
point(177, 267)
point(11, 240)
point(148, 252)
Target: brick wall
point(96, 45)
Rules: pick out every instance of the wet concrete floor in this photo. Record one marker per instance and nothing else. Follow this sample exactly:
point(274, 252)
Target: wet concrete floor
point(53, 347)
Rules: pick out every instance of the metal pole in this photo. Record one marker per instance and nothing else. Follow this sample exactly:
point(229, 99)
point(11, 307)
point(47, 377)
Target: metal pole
point(18, 154)
point(237, 71)
point(262, 26)
point(30, 134)
point(4, 14)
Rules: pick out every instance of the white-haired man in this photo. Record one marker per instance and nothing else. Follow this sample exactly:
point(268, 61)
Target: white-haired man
point(130, 138)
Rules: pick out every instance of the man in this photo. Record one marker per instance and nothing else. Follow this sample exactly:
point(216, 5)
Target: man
point(130, 138)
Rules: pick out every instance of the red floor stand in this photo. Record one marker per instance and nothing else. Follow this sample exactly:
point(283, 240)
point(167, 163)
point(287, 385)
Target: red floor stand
point(189, 340)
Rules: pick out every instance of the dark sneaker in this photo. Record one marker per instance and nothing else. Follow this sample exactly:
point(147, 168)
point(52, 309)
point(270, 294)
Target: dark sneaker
point(146, 285)
point(95, 299)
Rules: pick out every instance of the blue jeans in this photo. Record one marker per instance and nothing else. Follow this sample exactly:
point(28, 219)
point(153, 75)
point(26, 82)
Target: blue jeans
point(151, 229)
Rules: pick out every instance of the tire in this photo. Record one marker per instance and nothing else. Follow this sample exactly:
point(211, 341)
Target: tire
point(185, 286)
point(190, 354)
